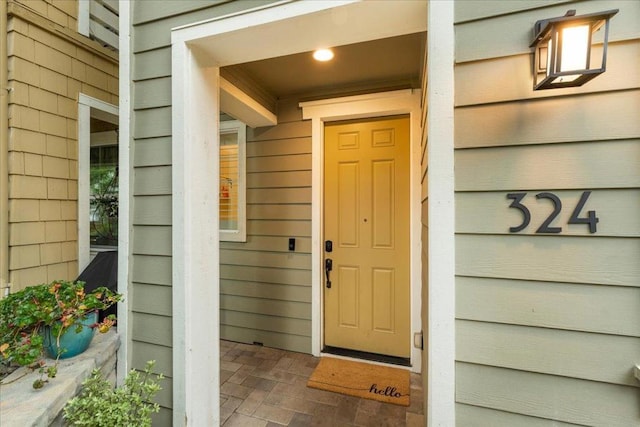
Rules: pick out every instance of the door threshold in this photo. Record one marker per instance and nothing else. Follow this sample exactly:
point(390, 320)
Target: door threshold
point(363, 355)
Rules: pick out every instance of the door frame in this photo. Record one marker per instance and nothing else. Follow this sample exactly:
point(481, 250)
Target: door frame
point(362, 107)
point(198, 49)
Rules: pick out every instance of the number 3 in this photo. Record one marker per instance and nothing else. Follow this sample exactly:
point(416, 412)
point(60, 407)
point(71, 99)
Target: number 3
point(517, 197)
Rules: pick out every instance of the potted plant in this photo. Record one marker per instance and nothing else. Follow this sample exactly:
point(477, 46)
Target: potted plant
point(49, 319)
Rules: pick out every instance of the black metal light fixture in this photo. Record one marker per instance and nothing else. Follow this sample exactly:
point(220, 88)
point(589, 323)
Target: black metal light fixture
point(563, 55)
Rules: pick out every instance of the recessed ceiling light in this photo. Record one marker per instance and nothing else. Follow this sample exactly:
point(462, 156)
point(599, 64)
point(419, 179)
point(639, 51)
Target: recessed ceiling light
point(323, 55)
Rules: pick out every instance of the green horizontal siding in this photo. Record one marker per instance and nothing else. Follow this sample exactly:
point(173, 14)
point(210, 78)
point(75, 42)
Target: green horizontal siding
point(547, 324)
point(265, 288)
point(157, 32)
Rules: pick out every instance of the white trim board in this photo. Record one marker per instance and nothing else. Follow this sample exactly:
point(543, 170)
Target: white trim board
point(299, 26)
point(195, 240)
point(83, 18)
point(125, 189)
point(440, 343)
point(290, 27)
point(88, 107)
point(241, 106)
point(359, 107)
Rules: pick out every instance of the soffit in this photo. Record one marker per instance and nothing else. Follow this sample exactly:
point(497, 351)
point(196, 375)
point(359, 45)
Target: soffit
point(383, 64)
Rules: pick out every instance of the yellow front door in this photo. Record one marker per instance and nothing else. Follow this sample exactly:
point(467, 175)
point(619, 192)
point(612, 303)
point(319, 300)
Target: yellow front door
point(366, 218)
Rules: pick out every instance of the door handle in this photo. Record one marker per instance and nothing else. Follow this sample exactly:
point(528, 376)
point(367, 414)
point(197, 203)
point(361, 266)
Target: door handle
point(328, 266)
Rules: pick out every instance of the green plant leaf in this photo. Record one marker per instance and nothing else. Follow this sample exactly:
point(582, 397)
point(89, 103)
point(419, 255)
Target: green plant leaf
point(100, 405)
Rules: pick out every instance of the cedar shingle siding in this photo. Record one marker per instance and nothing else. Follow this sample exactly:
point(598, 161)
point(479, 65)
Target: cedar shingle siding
point(47, 71)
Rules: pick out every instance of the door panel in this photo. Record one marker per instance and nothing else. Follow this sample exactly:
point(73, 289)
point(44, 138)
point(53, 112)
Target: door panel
point(348, 296)
point(382, 190)
point(366, 203)
point(348, 196)
point(383, 300)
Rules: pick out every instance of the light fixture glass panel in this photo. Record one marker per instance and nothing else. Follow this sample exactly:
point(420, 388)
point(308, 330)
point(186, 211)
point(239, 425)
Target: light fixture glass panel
point(549, 51)
point(566, 79)
point(575, 48)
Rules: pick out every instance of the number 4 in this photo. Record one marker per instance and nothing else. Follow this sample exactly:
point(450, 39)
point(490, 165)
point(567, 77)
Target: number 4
point(591, 218)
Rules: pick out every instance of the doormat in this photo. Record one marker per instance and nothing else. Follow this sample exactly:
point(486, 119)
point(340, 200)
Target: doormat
point(364, 380)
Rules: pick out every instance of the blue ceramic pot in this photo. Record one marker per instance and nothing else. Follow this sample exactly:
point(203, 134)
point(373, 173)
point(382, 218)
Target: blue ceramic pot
point(71, 343)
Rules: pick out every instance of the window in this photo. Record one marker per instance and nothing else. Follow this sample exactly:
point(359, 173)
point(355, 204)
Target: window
point(97, 178)
point(103, 195)
point(233, 137)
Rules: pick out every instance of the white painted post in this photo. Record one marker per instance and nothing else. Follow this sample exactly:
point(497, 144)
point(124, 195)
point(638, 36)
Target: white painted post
point(124, 190)
point(196, 254)
point(441, 285)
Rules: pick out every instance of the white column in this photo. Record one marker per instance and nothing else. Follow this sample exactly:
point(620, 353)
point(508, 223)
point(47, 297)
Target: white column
point(441, 285)
point(196, 254)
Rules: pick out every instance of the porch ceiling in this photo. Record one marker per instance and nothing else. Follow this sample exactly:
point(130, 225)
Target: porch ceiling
point(377, 65)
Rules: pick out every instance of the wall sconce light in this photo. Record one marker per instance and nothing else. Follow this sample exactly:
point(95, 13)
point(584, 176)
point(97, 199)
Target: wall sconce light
point(563, 54)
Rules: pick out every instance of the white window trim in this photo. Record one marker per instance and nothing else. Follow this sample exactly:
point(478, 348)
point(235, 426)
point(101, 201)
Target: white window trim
point(239, 235)
point(359, 107)
point(110, 113)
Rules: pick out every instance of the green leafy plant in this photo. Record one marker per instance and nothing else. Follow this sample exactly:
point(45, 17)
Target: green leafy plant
point(100, 405)
point(58, 306)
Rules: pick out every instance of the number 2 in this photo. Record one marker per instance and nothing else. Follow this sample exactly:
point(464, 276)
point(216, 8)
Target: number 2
point(557, 207)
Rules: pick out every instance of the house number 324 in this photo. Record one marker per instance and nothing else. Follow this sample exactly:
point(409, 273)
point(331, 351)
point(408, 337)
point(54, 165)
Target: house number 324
point(591, 219)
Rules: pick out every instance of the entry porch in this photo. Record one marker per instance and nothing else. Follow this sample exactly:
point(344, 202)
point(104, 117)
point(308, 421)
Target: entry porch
point(261, 386)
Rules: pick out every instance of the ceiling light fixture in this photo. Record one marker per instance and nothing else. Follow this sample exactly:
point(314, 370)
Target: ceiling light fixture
point(323, 55)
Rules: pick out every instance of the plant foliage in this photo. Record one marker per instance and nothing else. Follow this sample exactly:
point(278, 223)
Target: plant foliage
point(104, 204)
point(60, 306)
point(100, 405)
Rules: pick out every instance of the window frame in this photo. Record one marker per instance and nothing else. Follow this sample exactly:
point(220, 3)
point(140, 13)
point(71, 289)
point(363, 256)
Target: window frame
point(89, 107)
point(240, 234)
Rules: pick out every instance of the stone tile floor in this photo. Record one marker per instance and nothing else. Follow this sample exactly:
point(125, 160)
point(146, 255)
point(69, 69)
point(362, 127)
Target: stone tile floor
point(262, 386)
